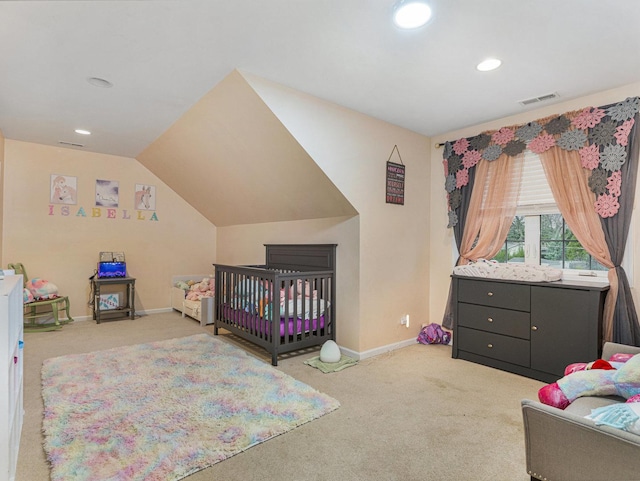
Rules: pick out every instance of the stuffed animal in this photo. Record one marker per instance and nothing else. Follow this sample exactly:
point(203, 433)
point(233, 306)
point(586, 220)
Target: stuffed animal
point(182, 285)
point(616, 379)
point(204, 288)
point(42, 289)
point(614, 362)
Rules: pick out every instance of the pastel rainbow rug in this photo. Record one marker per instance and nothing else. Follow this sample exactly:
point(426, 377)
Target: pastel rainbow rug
point(164, 410)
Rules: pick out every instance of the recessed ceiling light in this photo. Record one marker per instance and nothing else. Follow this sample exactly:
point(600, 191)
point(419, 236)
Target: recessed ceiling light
point(489, 64)
point(99, 82)
point(82, 132)
point(411, 14)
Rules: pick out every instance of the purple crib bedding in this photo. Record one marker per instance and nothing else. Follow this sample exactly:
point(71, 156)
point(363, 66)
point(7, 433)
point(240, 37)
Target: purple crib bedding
point(254, 322)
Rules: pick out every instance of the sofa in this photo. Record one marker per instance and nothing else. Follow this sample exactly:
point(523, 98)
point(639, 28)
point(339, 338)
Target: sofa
point(562, 445)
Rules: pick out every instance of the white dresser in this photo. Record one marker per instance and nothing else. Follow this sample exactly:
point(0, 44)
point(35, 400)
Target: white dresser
point(11, 356)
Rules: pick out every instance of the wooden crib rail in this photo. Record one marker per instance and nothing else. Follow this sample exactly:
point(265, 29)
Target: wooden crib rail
point(281, 310)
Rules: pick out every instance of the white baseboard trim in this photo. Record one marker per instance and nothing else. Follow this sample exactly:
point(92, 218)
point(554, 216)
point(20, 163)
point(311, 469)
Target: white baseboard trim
point(154, 311)
point(138, 313)
point(360, 356)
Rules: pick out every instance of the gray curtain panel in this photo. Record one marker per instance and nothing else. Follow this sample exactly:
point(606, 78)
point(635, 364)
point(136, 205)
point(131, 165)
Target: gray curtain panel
point(626, 329)
point(458, 230)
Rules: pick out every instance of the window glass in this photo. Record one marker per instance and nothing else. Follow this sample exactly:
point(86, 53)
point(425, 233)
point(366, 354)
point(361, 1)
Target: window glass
point(551, 240)
point(558, 246)
point(515, 240)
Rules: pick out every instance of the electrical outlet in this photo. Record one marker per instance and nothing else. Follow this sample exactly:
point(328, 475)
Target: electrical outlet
point(404, 321)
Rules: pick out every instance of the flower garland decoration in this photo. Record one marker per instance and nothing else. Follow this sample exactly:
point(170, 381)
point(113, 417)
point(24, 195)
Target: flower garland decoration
point(599, 134)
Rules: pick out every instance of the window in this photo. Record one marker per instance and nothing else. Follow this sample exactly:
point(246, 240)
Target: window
point(513, 249)
point(539, 234)
point(546, 239)
point(560, 248)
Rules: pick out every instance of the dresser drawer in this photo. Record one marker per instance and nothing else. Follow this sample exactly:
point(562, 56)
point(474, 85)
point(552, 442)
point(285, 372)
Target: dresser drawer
point(495, 346)
point(495, 319)
point(497, 294)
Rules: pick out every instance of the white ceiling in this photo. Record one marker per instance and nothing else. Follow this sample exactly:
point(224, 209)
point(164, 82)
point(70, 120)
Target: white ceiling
point(163, 56)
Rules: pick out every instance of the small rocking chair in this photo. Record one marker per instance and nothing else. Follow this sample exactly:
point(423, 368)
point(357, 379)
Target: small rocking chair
point(32, 314)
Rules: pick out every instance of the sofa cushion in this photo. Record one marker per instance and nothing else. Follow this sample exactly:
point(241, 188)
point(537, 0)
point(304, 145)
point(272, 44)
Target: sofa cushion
point(583, 405)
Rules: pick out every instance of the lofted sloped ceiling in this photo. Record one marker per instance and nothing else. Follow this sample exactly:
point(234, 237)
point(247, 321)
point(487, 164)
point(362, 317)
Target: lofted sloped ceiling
point(232, 159)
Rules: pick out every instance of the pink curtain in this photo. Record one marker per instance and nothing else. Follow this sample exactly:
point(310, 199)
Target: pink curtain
point(581, 151)
point(569, 183)
point(492, 208)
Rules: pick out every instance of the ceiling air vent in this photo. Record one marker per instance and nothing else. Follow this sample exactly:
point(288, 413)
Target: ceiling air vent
point(72, 144)
point(542, 98)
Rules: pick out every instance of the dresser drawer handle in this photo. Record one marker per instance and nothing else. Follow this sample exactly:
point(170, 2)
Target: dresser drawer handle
point(490, 319)
point(489, 346)
point(490, 294)
point(534, 328)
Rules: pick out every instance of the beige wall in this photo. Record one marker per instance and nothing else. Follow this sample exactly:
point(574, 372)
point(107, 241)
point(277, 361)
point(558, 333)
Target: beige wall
point(244, 244)
point(2, 141)
point(64, 248)
point(228, 155)
point(352, 150)
point(276, 165)
point(441, 238)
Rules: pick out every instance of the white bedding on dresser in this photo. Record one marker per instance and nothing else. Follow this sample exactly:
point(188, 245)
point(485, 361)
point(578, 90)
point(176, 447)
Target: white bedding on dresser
point(519, 272)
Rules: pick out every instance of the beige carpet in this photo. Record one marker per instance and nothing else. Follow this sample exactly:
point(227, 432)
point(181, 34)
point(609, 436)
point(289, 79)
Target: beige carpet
point(408, 415)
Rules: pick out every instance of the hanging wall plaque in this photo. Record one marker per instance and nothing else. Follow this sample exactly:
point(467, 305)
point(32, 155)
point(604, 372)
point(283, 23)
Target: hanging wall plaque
point(395, 180)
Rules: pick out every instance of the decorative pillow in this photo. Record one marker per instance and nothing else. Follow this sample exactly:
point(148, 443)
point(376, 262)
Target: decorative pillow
point(621, 357)
point(42, 289)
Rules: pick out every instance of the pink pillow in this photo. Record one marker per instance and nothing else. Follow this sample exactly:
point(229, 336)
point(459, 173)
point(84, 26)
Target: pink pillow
point(42, 289)
point(620, 357)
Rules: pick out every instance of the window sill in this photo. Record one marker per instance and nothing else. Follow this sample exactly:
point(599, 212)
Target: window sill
point(599, 278)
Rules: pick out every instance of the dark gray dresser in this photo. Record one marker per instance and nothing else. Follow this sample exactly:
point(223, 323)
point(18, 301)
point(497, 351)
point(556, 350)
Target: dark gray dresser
point(532, 329)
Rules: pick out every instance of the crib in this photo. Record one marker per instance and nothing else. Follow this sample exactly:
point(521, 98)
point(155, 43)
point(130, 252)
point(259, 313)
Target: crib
point(285, 305)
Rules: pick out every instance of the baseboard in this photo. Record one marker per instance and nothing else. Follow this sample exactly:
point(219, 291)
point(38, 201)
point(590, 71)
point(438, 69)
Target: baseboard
point(347, 352)
point(378, 350)
point(138, 313)
point(154, 311)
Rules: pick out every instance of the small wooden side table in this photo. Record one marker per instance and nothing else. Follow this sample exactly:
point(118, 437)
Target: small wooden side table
point(128, 310)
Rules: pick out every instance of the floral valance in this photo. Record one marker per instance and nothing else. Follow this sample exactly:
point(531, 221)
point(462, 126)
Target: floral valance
point(599, 134)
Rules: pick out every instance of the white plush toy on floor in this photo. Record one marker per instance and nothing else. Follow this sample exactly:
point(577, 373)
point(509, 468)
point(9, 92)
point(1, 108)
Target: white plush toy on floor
point(330, 352)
